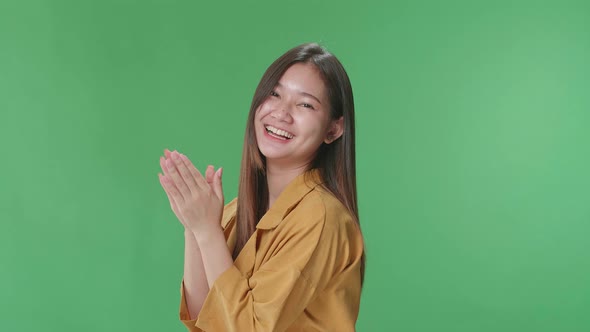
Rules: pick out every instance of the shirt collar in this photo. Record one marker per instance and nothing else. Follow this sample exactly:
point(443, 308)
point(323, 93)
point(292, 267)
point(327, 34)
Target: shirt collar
point(289, 198)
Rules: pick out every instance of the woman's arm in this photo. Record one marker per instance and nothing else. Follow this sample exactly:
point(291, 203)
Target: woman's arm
point(194, 284)
point(194, 279)
point(199, 200)
point(215, 254)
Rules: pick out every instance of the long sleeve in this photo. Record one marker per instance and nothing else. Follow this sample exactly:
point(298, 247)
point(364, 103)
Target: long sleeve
point(226, 223)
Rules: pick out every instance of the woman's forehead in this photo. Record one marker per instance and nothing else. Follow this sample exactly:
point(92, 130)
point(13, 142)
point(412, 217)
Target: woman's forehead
point(304, 79)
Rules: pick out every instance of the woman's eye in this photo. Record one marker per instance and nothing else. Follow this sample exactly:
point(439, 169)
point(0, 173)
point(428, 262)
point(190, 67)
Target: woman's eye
point(274, 94)
point(307, 106)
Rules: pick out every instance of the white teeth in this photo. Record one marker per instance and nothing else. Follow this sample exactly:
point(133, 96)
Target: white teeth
point(279, 132)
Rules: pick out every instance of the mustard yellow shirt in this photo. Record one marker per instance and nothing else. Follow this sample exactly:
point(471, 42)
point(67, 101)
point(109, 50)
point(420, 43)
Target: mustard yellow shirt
point(300, 270)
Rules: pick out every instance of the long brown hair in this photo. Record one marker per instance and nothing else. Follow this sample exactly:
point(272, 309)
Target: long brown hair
point(335, 161)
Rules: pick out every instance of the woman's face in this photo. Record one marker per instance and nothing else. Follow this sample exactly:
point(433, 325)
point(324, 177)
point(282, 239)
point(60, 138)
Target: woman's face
point(294, 120)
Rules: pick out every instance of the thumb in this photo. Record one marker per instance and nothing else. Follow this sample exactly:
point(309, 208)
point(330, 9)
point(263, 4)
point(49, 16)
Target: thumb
point(217, 186)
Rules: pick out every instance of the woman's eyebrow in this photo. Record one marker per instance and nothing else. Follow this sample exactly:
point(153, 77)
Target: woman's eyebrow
point(302, 93)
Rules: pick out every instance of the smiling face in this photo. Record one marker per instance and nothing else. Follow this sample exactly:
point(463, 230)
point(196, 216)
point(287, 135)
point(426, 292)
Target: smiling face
point(293, 122)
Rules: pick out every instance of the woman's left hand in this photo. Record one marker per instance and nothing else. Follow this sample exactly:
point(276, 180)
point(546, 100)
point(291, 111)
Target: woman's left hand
point(199, 200)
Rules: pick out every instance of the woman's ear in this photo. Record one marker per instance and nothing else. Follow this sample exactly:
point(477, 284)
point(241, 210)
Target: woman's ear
point(335, 131)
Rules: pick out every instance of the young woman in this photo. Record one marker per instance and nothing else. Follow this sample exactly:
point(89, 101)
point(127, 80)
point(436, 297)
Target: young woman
point(287, 253)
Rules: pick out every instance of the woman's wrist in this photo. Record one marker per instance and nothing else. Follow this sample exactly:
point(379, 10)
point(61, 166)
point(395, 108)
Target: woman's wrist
point(206, 234)
point(189, 236)
point(203, 234)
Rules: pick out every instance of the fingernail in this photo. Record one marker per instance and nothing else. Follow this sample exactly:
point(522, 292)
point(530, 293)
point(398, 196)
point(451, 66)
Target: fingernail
point(175, 155)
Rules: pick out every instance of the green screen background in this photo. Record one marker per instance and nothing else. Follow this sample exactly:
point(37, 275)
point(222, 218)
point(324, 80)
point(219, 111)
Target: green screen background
point(472, 140)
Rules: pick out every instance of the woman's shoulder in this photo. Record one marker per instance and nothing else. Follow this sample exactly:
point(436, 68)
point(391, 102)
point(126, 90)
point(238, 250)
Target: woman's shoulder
point(336, 227)
point(329, 210)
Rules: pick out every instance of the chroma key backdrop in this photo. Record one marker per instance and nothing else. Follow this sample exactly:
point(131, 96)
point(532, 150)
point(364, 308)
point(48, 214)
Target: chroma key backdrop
point(473, 153)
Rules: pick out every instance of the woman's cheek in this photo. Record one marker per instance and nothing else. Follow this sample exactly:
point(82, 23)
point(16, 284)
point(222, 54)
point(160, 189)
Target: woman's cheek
point(264, 109)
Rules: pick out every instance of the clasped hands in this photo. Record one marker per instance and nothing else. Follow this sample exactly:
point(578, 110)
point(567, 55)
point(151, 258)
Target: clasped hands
point(197, 201)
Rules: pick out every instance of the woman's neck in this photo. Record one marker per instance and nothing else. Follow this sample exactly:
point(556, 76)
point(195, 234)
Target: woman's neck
point(278, 178)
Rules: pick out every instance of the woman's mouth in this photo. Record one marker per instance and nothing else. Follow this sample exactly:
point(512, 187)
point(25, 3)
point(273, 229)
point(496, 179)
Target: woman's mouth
point(278, 133)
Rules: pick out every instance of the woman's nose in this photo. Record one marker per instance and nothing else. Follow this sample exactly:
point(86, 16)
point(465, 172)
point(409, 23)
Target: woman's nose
point(281, 112)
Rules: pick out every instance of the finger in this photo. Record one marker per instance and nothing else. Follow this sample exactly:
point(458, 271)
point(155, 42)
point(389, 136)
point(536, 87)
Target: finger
point(165, 187)
point(201, 182)
point(209, 174)
point(163, 165)
point(163, 159)
point(170, 189)
point(168, 155)
point(177, 179)
point(217, 185)
point(184, 172)
point(173, 204)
